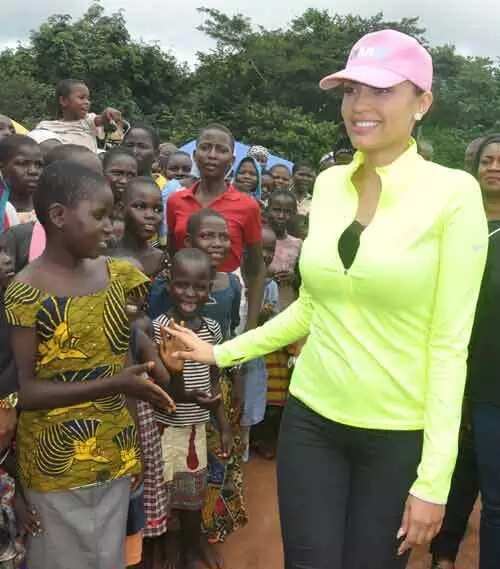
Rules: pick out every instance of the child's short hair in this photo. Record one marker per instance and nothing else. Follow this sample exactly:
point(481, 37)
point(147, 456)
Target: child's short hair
point(282, 193)
point(220, 128)
point(155, 137)
point(9, 146)
point(110, 155)
point(66, 152)
point(67, 183)
point(195, 221)
point(142, 180)
point(301, 165)
point(191, 255)
point(276, 166)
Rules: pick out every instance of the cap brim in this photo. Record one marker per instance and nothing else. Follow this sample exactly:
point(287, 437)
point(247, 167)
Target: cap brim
point(372, 76)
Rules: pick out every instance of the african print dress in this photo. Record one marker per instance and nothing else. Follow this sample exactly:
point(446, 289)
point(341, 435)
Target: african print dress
point(80, 339)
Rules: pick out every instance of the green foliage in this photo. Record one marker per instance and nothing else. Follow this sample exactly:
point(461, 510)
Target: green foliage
point(262, 83)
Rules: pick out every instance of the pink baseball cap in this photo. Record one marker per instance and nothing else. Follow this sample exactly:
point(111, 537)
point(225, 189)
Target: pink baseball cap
point(384, 59)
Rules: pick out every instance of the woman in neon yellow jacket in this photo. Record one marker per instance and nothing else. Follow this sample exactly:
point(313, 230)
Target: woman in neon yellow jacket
point(391, 272)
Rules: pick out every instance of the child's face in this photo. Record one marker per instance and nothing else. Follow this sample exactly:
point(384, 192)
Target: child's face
point(178, 167)
point(214, 154)
point(213, 238)
point(280, 210)
point(304, 179)
point(23, 170)
point(143, 210)
point(87, 226)
point(189, 287)
point(281, 178)
point(267, 183)
point(77, 104)
point(247, 177)
point(6, 127)
point(119, 172)
point(268, 245)
point(6, 264)
point(140, 143)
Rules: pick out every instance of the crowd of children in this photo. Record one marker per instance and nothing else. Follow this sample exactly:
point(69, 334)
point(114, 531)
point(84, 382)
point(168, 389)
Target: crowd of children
point(114, 453)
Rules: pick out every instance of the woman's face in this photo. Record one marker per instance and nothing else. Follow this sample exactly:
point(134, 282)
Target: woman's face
point(379, 120)
point(214, 154)
point(488, 172)
point(247, 177)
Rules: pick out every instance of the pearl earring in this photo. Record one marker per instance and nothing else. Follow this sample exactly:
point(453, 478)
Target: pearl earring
point(418, 116)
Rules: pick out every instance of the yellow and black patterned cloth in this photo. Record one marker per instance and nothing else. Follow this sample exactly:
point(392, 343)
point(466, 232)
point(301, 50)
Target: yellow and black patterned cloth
point(80, 339)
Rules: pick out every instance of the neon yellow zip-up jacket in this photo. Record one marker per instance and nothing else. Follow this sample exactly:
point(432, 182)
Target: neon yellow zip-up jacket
point(388, 338)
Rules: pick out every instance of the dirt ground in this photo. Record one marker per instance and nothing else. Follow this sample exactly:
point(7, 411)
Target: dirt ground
point(258, 546)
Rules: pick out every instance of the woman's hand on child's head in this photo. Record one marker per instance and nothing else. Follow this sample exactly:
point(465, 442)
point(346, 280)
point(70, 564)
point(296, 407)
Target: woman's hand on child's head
point(168, 346)
point(8, 421)
point(134, 381)
point(193, 348)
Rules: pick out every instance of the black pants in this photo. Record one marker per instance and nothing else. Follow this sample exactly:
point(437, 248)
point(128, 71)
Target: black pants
point(463, 495)
point(342, 491)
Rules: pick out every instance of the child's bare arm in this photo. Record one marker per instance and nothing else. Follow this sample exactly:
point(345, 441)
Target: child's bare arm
point(147, 351)
point(36, 394)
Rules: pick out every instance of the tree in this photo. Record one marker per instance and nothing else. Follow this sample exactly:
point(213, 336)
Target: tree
point(140, 79)
point(262, 83)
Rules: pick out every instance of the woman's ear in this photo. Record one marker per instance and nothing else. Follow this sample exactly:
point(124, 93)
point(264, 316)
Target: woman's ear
point(57, 215)
point(425, 102)
point(188, 242)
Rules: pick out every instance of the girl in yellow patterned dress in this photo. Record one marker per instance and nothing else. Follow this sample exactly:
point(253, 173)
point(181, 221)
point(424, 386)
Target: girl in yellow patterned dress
point(77, 443)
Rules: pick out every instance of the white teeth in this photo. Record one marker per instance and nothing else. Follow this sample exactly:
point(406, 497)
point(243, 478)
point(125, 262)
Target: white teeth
point(365, 124)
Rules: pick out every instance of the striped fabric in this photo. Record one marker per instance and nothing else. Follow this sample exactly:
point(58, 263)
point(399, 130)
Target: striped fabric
point(196, 377)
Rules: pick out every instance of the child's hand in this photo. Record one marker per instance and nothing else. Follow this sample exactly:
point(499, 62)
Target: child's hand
point(137, 480)
point(28, 520)
point(205, 400)
point(266, 313)
point(226, 442)
point(168, 346)
point(110, 115)
point(134, 382)
point(284, 277)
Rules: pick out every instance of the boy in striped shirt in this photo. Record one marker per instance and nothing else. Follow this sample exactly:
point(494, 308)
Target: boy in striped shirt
point(184, 443)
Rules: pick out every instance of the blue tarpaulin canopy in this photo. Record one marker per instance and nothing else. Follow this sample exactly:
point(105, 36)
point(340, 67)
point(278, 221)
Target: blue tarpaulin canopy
point(240, 151)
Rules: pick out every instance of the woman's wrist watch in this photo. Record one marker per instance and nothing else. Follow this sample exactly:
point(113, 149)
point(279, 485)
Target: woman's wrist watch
point(9, 402)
